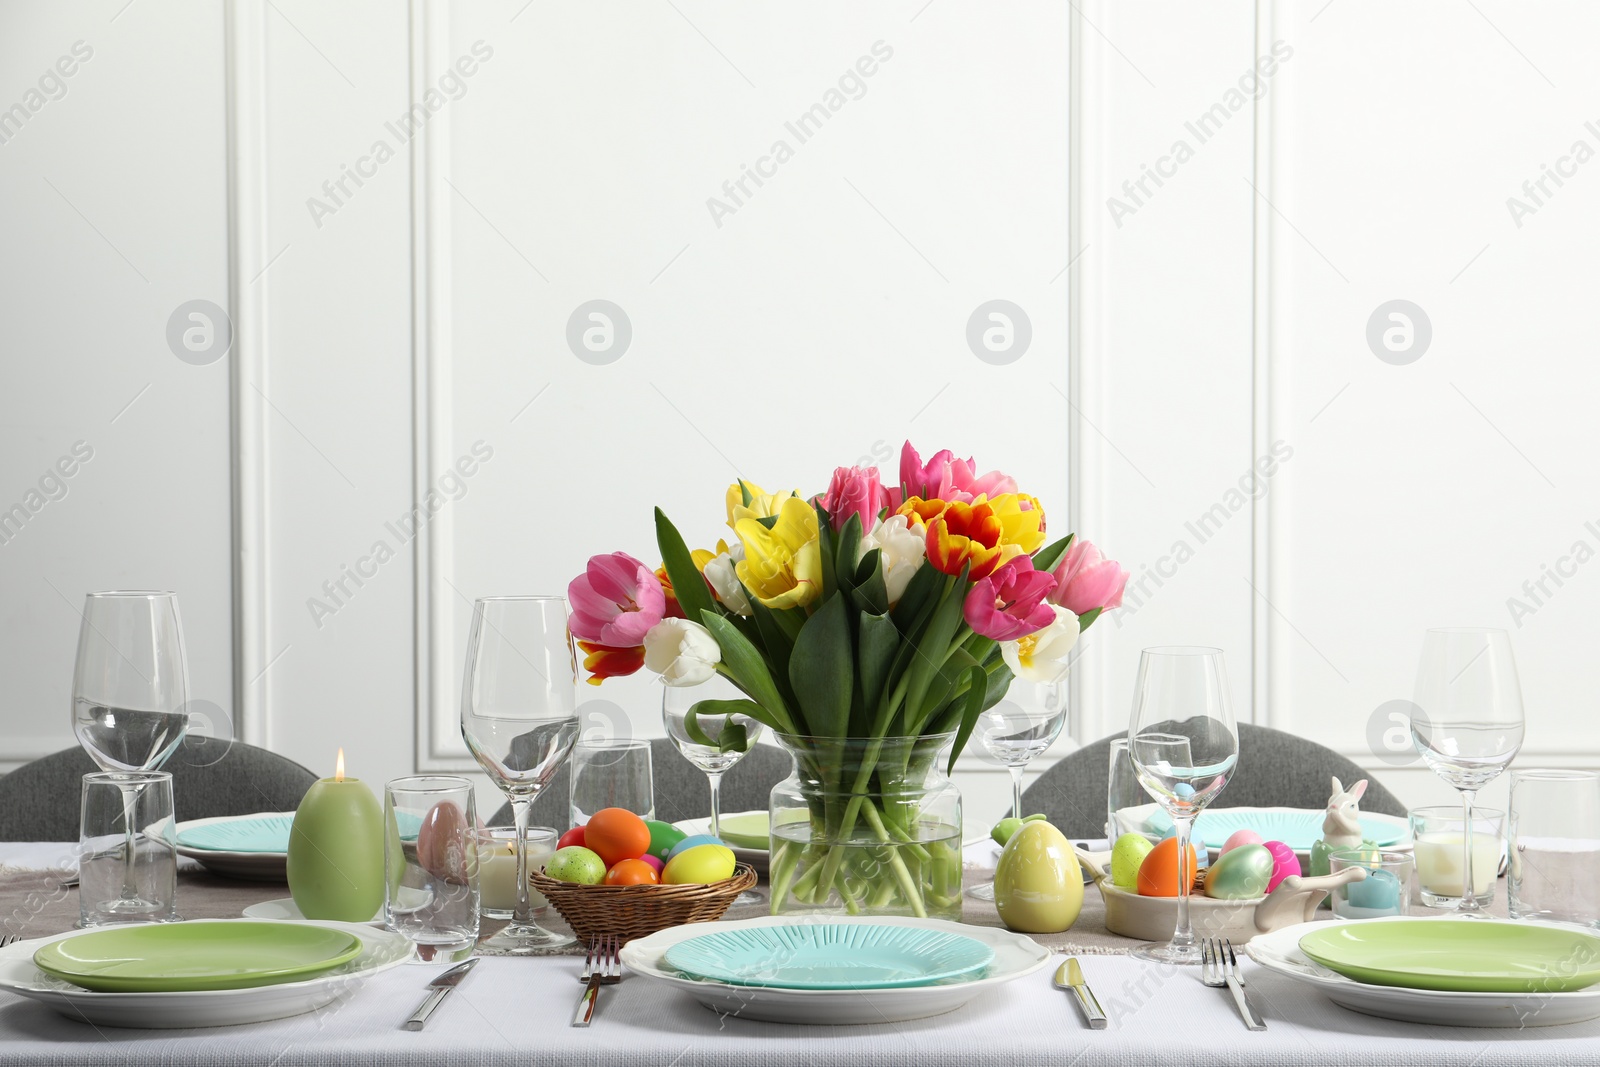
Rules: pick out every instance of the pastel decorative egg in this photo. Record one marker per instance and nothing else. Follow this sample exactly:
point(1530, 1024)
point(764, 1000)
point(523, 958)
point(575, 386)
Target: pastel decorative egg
point(1241, 874)
point(1038, 884)
point(442, 843)
point(699, 865)
point(689, 842)
point(1240, 837)
point(1284, 862)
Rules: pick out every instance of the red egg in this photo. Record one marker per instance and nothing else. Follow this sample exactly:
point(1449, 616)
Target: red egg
point(573, 836)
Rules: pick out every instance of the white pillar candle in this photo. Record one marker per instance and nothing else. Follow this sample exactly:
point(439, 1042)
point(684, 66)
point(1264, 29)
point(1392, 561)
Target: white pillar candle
point(497, 873)
point(1439, 854)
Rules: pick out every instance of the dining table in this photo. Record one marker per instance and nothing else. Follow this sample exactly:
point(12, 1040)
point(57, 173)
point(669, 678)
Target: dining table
point(516, 1011)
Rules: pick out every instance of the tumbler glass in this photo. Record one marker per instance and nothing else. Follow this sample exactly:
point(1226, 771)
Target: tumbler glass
point(1437, 833)
point(1386, 890)
point(611, 774)
point(1555, 846)
point(127, 838)
point(431, 853)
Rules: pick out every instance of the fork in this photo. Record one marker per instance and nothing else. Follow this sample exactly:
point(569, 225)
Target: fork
point(8, 939)
point(602, 966)
point(1219, 968)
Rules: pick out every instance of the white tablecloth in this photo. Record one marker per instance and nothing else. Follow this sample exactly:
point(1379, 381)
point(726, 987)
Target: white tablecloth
point(512, 1011)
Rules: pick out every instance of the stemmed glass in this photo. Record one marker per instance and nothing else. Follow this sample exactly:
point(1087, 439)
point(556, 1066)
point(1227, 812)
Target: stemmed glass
point(519, 718)
point(1184, 746)
point(713, 743)
point(1014, 731)
point(1467, 721)
point(130, 688)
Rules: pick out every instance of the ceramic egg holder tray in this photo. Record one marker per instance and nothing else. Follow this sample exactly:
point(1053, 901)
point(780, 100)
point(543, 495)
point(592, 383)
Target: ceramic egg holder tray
point(1295, 900)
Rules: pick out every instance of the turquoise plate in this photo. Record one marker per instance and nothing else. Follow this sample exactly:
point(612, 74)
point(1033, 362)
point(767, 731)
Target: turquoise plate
point(830, 956)
point(1299, 828)
point(258, 833)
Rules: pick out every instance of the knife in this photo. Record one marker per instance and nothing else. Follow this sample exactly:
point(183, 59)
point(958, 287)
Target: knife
point(1070, 976)
point(439, 988)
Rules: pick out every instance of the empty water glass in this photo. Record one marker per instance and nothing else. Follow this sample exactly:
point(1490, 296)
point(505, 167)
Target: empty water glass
point(431, 853)
point(127, 840)
point(611, 774)
point(1555, 846)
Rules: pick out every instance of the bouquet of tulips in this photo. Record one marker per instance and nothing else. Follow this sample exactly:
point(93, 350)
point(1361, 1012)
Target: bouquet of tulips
point(868, 627)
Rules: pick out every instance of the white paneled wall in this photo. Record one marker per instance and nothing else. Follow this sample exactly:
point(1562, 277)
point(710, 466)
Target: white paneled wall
point(797, 210)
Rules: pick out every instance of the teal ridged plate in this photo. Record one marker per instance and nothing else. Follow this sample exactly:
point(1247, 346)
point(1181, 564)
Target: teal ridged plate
point(1299, 828)
point(830, 956)
point(248, 833)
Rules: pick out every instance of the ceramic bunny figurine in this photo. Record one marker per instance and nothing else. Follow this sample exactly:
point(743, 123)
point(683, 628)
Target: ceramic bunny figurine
point(1341, 827)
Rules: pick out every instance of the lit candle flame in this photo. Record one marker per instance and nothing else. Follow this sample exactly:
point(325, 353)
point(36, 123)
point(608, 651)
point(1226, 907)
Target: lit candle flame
point(338, 767)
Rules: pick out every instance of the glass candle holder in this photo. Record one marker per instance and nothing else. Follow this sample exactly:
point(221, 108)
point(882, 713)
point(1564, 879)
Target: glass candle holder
point(1439, 852)
point(497, 867)
point(1386, 890)
point(1554, 840)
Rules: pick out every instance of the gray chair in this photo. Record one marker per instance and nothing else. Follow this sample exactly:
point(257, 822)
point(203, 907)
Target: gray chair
point(1276, 769)
point(680, 787)
point(39, 801)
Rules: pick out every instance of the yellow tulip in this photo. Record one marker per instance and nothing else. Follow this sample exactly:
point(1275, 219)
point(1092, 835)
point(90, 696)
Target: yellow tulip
point(782, 567)
point(762, 504)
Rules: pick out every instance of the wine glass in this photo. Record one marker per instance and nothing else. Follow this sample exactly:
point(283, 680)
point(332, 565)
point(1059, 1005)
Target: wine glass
point(130, 688)
point(1184, 746)
point(713, 743)
point(519, 718)
point(1467, 721)
point(1014, 731)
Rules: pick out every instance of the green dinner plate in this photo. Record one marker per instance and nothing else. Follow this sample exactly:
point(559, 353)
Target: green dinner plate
point(183, 957)
point(748, 830)
point(1458, 955)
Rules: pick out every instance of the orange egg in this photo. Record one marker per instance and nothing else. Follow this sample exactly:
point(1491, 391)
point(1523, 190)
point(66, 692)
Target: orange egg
point(616, 834)
point(632, 872)
point(1158, 874)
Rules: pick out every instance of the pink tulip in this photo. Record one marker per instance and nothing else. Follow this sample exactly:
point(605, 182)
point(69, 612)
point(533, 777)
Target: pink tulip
point(1010, 603)
point(855, 491)
point(1086, 580)
point(615, 601)
point(946, 478)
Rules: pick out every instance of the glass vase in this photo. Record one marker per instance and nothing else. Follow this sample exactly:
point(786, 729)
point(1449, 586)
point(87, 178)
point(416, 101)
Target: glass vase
point(867, 826)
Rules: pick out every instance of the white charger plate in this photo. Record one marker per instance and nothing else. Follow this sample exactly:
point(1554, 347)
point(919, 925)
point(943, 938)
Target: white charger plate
point(380, 950)
point(1015, 956)
point(1280, 952)
point(251, 866)
point(755, 857)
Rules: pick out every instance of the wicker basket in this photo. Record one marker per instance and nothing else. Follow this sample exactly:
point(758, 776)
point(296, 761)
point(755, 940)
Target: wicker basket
point(631, 911)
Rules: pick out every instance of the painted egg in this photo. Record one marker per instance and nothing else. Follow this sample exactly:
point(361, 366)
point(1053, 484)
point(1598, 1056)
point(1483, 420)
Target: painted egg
point(442, 843)
point(654, 861)
point(1240, 837)
point(1158, 874)
point(1038, 885)
point(689, 842)
point(663, 835)
point(699, 865)
point(1284, 862)
point(1202, 854)
point(1241, 874)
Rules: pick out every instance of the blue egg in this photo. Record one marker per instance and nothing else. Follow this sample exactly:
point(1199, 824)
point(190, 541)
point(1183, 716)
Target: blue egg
point(1183, 790)
point(690, 842)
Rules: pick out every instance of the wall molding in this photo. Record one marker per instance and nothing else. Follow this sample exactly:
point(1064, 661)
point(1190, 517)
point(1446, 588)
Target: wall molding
point(1263, 510)
point(245, 35)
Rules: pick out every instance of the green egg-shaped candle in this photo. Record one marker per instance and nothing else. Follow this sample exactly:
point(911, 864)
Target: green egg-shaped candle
point(336, 864)
point(1241, 873)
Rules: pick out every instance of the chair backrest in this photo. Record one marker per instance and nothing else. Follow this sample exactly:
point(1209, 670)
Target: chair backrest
point(681, 789)
point(1276, 769)
point(40, 801)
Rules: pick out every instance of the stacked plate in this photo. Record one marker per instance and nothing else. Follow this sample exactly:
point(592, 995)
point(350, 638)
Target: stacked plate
point(216, 972)
point(1444, 970)
point(1299, 828)
point(745, 832)
point(825, 969)
point(255, 847)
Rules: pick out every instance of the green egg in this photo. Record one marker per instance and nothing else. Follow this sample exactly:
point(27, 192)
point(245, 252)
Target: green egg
point(1240, 874)
point(663, 835)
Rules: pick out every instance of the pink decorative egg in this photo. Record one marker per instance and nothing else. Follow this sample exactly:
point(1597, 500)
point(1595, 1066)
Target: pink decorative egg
point(1240, 837)
point(1284, 862)
point(442, 843)
point(654, 861)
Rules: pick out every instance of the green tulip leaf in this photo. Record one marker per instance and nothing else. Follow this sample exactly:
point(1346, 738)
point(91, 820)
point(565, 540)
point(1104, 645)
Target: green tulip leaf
point(870, 593)
point(971, 708)
point(1088, 617)
point(1047, 557)
point(876, 646)
point(743, 662)
point(733, 737)
point(822, 669)
point(687, 585)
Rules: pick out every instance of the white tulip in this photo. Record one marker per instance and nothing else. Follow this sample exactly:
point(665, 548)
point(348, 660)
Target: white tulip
point(720, 573)
point(682, 652)
point(1042, 656)
point(904, 549)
